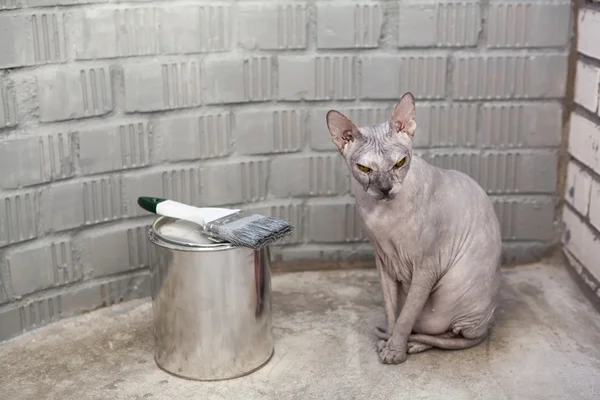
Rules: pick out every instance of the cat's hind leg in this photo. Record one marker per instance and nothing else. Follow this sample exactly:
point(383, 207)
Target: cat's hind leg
point(416, 347)
point(444, 341)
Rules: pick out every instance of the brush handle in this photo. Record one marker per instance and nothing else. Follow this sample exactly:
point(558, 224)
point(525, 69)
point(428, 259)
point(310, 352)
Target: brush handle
point(174, 209)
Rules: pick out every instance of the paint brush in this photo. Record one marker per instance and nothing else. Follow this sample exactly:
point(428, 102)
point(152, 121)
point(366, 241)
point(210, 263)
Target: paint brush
point(238, 227)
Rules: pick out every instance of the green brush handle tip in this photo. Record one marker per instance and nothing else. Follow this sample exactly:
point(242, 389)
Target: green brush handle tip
point(149, 203)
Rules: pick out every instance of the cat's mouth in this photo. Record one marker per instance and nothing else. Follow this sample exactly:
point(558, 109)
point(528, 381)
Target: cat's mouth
point(384, 197)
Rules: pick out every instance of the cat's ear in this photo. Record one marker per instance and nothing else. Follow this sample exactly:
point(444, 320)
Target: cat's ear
point(404, 115)
point(342, 130)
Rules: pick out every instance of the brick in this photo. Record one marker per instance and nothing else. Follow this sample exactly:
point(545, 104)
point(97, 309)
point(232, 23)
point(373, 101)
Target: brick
point(156, 183)
point(320, 138)
point(346, 253)
point(271, 131)
point(69, 93)
point(193, 82)
point(504, 172)
point(49, 3)
point(446, 125)
point(29, 160)
point(526, 252)
point(10, 4)
point(5, 296)
point(579, 186)
point(587, 86)
point(143, 30)
point(272, 27)
point(62, 207)
point(195, 137)
point(40, 266)
point(188, 29)
point(31, 39)
point(348, 25)
point(389, 76)
point(107, 292)
point(314, 175)
point(581, 241)
point(234, 182)
point(114, 147)
point(11, 323)
point(519, 23)
point(238, 80)
point(439, 24)
point(165, 86)
point(183, 184)
point(317, 78)
point(41, 311)
point(509, 76)
point(594, 202)
point(333, 221)
point(291, 211)
point(87, 202)
point(114, 249)
point(526, 218)
point(110, 33)
point(509, 125)
point(584, 141)
point(19, 220)
point(217, 183)
point(519, 172)
point(588, 31)
point(8, 105)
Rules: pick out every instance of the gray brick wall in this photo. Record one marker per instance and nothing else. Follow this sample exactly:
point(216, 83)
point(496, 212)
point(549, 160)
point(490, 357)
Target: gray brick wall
point(581, 211)
point(224, 102)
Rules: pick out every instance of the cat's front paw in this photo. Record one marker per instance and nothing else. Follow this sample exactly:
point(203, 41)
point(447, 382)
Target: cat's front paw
point(389, 353)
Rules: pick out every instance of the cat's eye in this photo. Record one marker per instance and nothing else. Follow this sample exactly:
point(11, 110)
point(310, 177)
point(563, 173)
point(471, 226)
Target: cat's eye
point(400, 163)
point(363, 168)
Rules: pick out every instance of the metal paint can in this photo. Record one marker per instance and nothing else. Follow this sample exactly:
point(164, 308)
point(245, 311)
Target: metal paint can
point(211, 303)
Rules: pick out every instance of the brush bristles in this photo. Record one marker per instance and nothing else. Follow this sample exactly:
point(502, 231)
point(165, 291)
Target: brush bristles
point(253, 231)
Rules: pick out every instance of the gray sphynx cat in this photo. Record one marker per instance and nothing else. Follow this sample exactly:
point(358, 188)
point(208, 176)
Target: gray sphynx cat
point(435, 234)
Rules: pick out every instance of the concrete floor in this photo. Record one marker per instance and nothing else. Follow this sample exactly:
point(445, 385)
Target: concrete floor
point(545, 345)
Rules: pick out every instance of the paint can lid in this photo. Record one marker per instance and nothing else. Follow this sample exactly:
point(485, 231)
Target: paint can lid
point(170, 232)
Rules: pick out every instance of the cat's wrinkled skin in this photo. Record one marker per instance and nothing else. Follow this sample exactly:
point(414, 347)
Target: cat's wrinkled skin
point(435, 234)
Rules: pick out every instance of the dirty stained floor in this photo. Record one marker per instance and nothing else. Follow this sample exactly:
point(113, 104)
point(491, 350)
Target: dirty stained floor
point(545, 345)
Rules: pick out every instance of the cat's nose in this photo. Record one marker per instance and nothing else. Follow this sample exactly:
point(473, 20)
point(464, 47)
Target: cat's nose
point(385, 191)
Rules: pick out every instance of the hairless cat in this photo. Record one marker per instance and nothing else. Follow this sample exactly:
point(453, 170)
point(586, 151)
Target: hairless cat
point(435, 234)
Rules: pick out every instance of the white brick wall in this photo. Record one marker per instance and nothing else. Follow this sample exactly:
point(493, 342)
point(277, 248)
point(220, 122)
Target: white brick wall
point(581, 214)
point(588, 32)
point(587, 85)
point(223, 103)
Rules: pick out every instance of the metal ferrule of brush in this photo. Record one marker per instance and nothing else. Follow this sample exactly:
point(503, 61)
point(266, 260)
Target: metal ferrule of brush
point(211, 228)
point(248, 229)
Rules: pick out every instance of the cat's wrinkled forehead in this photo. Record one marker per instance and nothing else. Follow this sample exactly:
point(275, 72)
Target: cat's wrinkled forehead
point(378, 131)
point(382, 140)
point(379, 144)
